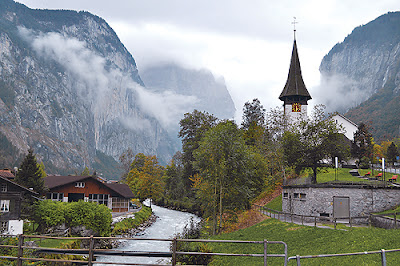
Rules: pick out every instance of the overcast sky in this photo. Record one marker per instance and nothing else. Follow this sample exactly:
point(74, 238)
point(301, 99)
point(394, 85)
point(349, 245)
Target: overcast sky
point(249, 43)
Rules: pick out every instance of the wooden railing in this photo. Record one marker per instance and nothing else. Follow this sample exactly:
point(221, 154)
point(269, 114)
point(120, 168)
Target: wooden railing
point(91, 252)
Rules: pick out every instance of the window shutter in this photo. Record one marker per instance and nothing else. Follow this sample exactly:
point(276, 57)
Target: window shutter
point(12, 205)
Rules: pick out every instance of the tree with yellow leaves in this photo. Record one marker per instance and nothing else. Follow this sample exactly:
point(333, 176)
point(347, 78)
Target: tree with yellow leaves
point(145, 177)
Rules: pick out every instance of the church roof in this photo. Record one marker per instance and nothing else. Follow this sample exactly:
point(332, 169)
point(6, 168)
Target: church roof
point(295, 85)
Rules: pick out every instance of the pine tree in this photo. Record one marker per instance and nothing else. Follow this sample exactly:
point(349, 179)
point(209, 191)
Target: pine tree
point(29, 174)
point(392, 153)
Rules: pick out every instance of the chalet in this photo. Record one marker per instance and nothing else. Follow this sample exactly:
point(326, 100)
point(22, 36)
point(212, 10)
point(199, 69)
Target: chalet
point(89, 188)
point(11, 195)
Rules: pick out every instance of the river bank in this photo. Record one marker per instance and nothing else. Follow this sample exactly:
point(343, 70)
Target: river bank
point(167, 224)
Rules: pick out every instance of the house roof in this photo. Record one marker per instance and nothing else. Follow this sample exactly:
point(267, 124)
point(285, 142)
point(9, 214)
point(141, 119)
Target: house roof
point(122, 189)
point(294, 85)
point(53, 181)
point(18, 185)
point(345, 118)
point(56, 181)
point(7, 174)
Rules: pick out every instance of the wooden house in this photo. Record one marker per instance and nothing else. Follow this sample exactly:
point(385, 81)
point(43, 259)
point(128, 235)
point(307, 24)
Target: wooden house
point(89, 188)
point(11, 195)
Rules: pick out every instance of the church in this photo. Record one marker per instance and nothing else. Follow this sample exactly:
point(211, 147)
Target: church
point(328, 200)
point(295, 96)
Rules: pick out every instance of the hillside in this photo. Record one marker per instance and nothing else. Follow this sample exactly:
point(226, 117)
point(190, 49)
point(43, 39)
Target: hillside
point(364, 73)
point(70, 90)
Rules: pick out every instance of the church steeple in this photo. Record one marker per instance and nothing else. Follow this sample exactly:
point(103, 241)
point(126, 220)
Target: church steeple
point(295, 94)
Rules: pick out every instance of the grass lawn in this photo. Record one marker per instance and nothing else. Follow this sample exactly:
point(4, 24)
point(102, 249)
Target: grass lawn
point(304, 240)
point(275, 204)
point(328, 175)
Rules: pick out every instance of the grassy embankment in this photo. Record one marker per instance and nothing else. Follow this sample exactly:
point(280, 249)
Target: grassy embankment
point(304, 240)
point(126, 225)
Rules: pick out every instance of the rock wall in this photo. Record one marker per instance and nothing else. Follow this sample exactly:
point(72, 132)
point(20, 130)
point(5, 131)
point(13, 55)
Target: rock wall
point(319, 200)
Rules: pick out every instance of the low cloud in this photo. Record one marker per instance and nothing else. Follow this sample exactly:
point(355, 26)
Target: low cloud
point(102, 86)
point(339, 93)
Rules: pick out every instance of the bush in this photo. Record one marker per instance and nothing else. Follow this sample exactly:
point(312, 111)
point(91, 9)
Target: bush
point(192, 231)
point(364, 163)
point(93, 216)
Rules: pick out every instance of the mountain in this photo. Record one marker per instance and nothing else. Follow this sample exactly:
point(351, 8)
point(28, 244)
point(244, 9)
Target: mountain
point(361, 76)
point(70, 90)
point(211, 94)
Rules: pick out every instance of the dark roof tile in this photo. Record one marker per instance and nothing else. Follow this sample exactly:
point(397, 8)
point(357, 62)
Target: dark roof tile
point(295, 85)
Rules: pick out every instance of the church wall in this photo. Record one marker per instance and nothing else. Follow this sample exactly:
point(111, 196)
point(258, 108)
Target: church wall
point(318, 201)
point(295, 115)
point(348, 126)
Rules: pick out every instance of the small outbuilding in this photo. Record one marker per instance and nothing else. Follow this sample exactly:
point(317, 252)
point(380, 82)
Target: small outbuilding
point(338, 200)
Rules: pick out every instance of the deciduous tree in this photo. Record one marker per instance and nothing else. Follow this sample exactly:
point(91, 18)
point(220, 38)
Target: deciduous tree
point(229, 173)
point(310, 140)
point(253, 114)
point(193, 127)
point(362, 145)
point(145, 177)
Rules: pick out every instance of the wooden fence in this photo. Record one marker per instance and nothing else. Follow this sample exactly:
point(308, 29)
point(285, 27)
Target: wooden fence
point(91, 252)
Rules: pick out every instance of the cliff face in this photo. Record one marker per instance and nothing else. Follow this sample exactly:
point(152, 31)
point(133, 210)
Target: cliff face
point(211, 94)
point(361, 75)
point(69, 89)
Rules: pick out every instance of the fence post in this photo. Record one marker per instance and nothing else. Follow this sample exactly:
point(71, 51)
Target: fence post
point(174, 244)
point(302, 219)
point(395, 221)
point(334, 222)
point(91, 246)
point(370, 220)
point(265, 252)
point(383, 257)
point(298, 260)
point(350, 222)
point(20, 249)
point(315, 221)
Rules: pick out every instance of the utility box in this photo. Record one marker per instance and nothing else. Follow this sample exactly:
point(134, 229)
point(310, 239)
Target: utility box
point(341, 207)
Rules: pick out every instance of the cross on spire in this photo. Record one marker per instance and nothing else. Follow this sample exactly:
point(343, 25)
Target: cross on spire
point(294, 27)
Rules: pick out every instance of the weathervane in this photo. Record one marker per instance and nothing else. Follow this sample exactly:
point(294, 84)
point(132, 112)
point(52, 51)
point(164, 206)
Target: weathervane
point(294, 27)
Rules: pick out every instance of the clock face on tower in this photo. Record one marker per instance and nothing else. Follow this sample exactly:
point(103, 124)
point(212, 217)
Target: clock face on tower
point(296, 107)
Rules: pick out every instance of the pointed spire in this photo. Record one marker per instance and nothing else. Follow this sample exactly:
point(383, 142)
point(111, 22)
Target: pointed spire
point(295, 85)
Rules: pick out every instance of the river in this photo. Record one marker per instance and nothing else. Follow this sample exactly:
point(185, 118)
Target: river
point(168, 223)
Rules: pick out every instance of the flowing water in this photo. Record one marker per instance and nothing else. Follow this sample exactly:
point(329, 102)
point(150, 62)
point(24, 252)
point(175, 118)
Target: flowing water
point(168, 223)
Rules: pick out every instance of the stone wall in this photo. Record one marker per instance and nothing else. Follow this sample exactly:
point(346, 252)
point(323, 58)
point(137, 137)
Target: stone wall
point(317, 200)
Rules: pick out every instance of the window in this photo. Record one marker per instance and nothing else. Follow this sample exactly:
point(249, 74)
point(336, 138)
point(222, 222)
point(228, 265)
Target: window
point(80, 184)
point(118, 203)
point(4, 205)
point(55, 196)
point(302, 196)
point(99, 198)
point(296, 195)
point(285, 195)
point(3, 227)
point(3, 188)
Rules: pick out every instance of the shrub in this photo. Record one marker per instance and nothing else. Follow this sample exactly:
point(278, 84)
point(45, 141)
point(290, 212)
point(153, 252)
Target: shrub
point(130, 223)
point(192, 231)
point(94, 216)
